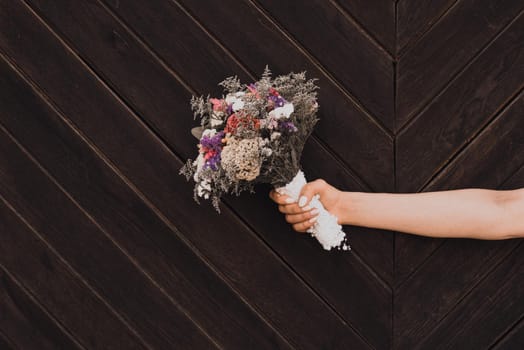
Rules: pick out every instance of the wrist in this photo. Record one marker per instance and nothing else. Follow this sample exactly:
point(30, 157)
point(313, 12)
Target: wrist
point(347, 208)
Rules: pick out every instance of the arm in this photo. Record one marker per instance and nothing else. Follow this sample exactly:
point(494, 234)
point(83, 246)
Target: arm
point(470, 213)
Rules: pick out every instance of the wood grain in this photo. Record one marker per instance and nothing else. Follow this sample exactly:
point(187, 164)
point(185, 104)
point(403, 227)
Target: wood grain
point(496, 303)
point(375, 16)
point(466, 106)
point(136, 227)
point(23, 318)
point(63, 294)
point(140, 163)
point(448, 47)
point(371, 84)
point(415, 17)
point(102, 245)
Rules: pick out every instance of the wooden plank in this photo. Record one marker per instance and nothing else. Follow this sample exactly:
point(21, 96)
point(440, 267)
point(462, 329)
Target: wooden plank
point(415, 17)
point(447, 48)
point(5, 342)
point(371, 83)
point(362, 145)
point(24, 320)
point(491, 307)
point(440, 284)
point(88, 249)
point(464, 108)
point(513, 340)
point(59, 290)
point(377, 299)
point(375, 16)
point(253, 269)
point(500, 143)
point(136, 228)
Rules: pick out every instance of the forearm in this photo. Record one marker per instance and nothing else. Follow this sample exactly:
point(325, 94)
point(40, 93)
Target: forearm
point(473, 213)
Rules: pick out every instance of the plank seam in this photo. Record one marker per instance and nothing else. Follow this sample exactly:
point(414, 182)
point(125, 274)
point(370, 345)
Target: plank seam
point(413, 41)
point(321, 68)
point(66, 264)
point(8, 340)
point(92, 219)
point(395, 234)
point(462, 149)
point(34, 299)
point(506, 333)
point(469, 291)
point(418, 111)
point(362, 29)
point(420, 265)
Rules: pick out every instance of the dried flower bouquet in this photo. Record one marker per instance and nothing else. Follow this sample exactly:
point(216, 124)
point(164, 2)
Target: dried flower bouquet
point(256, 134)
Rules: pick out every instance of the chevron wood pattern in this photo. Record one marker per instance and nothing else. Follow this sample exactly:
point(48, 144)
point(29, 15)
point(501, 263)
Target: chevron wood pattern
point(102, 246)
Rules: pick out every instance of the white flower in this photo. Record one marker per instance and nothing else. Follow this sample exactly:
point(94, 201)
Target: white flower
point(235, 99)
point(199, 163)
point(282, 112)
point(238, 105)
point(266, 151)
point(204, 188)
point(217, 118)
point(209, 132)
point(275, 135)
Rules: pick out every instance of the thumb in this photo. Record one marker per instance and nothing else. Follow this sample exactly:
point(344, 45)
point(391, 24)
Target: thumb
point(309, 190)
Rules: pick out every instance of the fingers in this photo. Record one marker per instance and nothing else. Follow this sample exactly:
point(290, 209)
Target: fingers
point(292, 209)
point(281, 199)
point(304, 216)
point(305, 225)
point(309, 190)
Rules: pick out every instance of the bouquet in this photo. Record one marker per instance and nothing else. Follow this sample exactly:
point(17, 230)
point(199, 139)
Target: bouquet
point(256, 134)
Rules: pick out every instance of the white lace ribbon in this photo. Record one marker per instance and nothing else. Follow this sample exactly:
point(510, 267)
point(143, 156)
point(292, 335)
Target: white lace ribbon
point(326, 229)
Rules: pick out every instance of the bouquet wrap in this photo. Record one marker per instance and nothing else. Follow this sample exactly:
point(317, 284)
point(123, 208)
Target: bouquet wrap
point(326, 228)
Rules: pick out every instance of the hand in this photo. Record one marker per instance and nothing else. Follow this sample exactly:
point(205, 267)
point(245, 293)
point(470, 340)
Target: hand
point(300, 215)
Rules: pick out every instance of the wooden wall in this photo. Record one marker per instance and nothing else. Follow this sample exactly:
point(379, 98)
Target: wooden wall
point(102, 246)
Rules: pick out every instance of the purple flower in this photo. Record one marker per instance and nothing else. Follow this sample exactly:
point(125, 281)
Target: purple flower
point(229, 109)
point(287, 126)
point(211, 147)
point(277, 100)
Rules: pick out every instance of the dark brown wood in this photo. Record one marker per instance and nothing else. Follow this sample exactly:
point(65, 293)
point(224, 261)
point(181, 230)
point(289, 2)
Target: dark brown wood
point(373, 290)
point(514, 339)
point(23, 319)
point(372, 83)
point(416, 17)
point(124, 284)
point(374, 16)
point(136, 227)
point(446, 49)
point(150, 166)
point(102, 245)
point(473, 99)
point(61, 291)
point(495, 303)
